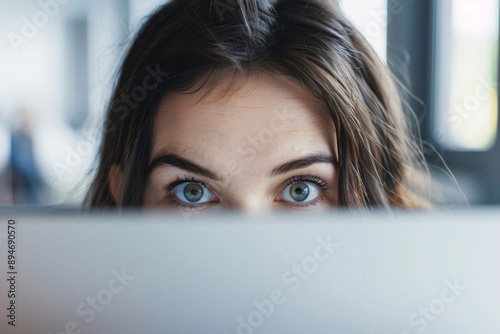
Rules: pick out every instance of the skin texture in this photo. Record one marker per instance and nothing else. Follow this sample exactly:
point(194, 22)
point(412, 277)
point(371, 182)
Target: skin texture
point(240, 131)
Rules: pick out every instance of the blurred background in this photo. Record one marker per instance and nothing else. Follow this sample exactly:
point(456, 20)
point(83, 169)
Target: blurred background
point(58, 61)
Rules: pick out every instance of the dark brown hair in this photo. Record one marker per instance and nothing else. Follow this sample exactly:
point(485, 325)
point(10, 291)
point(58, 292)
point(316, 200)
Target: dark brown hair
point(186, 41)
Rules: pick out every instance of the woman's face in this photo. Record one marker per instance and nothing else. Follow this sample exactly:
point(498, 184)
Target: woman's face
point(266, 144)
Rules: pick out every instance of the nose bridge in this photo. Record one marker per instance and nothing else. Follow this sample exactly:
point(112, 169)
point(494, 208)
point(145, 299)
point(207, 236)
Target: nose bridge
point(252, 207)
point(248, 197)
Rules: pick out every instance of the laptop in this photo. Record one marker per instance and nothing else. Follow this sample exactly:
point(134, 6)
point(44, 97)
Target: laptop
point(400, 272)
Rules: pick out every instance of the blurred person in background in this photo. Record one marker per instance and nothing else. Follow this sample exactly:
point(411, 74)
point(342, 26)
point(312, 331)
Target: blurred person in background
point(26, 178)
point(5, 173)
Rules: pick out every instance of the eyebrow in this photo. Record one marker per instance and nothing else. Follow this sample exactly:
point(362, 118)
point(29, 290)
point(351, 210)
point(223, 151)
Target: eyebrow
point(303, 162)
point(176, 161)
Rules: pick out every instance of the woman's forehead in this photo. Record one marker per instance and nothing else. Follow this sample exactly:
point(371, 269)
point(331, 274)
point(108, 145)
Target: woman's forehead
point(269, 114)
point(240, 90)
point(261, 123)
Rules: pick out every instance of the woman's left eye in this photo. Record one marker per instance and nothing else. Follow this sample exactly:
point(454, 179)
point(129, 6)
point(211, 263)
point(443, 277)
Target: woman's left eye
point(300, 192)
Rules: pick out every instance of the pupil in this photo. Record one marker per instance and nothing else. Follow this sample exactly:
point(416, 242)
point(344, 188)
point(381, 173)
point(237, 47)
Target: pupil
point(299, 192)
point(193, 192)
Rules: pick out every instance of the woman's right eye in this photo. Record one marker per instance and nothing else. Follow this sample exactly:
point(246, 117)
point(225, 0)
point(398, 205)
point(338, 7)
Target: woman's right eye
point(193, 193)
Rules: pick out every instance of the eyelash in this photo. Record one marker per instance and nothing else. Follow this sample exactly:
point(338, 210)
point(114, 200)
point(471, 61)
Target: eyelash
point(314, 179)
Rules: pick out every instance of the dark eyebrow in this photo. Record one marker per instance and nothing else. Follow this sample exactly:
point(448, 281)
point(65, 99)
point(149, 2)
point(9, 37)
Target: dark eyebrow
point(176, 161)
point(303, 162)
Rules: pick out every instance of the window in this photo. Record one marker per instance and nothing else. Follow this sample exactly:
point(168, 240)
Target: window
point(370, 17)
point(466, 72)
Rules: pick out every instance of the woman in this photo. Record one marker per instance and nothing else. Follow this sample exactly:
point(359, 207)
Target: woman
point(254, 105)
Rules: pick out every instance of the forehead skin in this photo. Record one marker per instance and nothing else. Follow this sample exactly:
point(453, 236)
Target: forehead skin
point(243, 134)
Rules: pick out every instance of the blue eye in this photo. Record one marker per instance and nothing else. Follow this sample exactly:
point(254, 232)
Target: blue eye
point(193, 193)
point(300, 192)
